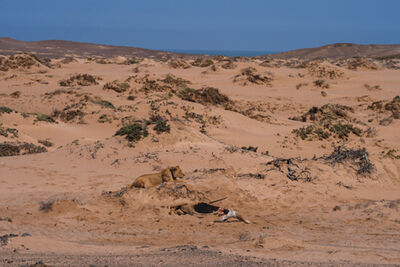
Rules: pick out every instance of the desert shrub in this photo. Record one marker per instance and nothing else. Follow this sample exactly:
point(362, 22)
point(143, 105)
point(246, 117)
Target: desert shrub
point(8, 149)
point(395, 56)
point(133, 132)
point(251, 75)
point(178, 64)
point(154, 86)
point(393, 106)
point(343, 130)
point(372, 88)
point(117, 86)
point(104, 118)
point(391, 154)
point(329, 120)
point(361, 63)
point(46, 143)
point(326, 112)
point(19, 61)
point(132, 60)
point(46, 206)
point(105, 104)
point(377, 105)
point(68, 60)
point(324, 131)
point(322, 84)
point(15, 94)
point(69, 113)
point(80, 79)
point(322, 70)
point(207, 95)
point(358, 157)
point(201, 62)
point(131, 97)
point(6, 131)
point(298, 86)
point(229, 65)
point(309, 131)
point(250, 148)
point(44, 117)
point(162, 126)
point(176, 81)
point(4, 109)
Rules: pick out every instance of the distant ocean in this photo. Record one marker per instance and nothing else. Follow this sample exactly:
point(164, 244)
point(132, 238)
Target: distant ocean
point(228, 53)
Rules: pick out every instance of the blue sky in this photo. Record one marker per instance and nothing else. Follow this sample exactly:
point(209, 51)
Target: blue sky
point(261, 25)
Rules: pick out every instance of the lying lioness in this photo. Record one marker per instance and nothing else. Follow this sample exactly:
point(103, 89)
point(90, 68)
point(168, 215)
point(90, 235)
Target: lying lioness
point(167, 175)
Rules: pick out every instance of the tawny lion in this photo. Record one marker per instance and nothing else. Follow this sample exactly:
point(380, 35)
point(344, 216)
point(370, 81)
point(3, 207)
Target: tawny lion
point(167, 175)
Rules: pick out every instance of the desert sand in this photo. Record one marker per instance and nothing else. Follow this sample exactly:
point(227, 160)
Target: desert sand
point(307, 151)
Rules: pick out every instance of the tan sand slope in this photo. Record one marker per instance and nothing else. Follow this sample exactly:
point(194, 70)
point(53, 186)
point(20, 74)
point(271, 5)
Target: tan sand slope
point(310, 155)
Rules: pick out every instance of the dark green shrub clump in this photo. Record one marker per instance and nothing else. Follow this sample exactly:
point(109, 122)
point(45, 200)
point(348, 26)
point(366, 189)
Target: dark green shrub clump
point(343, 130)
point(106, 104)
point(80, 79)
point(117, 86)
point(133, 132)
point(250, 148)
point(162, 126)
point(4, 109)
point(205, 96)
point(322, 83)
point(9, 149)
point(44, 117)
point(46, 143)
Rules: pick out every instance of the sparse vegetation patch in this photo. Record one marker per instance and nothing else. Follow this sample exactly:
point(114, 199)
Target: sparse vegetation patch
point(358, 157)
point(178, 64)
point(80, 80)
point(202, 62)
point(250, 75)
point(133, 132)
point(329, 120)
point(8, 149)
point(4, 109)
point(205, 96)
point(117, 86)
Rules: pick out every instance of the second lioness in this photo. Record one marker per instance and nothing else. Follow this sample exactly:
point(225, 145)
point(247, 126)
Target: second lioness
point(167, 175)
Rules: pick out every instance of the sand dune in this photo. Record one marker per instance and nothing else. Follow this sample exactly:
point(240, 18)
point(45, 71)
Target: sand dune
point(308, 153)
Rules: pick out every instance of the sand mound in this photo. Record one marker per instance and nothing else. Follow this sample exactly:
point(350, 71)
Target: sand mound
point(204, 96)
point(117, 86)
point(71, 113)
point(331, 120)
point(175, 82)
point(229, 65)
point(81, 80)
point(328, 111)
point(178, 64)
point(178, 191)
point(68, 60)
point(392, 106)
point(8, 149)
point(19, 61)
point(8, 132)
point(324, 70)
point(361, 64)
point(202, 62)
point(250, 75)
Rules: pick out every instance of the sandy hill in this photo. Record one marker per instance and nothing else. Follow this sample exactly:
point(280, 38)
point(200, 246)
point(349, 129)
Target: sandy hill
point(59, 48)
point(307, 151)
point(341, 50)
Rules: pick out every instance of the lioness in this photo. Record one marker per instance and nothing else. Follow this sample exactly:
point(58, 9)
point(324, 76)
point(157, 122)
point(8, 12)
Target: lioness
point(167, 175)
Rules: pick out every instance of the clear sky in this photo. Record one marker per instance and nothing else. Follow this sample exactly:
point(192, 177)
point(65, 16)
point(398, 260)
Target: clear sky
point(204, 24)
